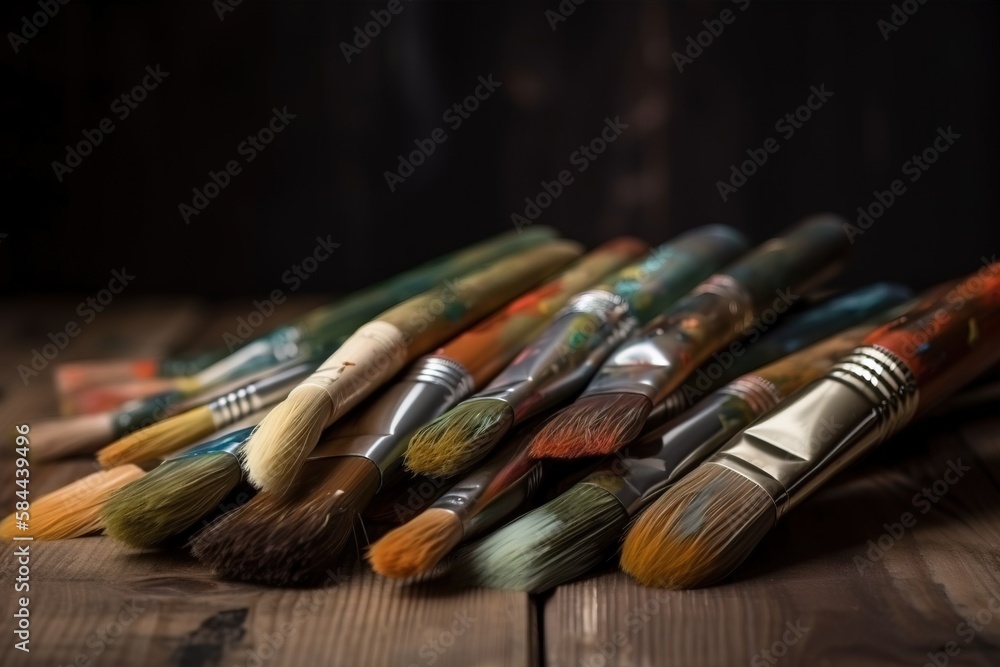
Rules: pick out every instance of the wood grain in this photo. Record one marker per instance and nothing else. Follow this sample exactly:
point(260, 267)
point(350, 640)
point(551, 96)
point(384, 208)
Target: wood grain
point(98, 603)
point(814, 583)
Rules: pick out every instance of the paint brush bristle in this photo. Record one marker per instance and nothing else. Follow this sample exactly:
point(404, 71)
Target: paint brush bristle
point(455, 441)
point(160, 439)
point(292, 539)
point(699, 530)
point(67, 436)
point(285, 438)
point(75, 509)
point(417, 546)
point(549, 545)
point(170, 498)
point(592, 426)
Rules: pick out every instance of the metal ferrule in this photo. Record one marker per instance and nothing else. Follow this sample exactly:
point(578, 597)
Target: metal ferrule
point(464, 499)
point(862, 400)
point(381, 430)
point(227, 444)
point(637, 475)
point(652, 363)
point(244, 401)
point(558, 364)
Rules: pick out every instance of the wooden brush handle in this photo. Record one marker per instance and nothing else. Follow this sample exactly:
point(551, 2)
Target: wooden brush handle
point(950, 338)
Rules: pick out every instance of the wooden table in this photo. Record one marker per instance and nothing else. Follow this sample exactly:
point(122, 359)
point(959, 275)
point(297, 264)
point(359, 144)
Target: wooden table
point(816, 593)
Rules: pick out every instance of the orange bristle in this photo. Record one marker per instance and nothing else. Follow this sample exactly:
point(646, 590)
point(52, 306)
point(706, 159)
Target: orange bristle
point(698, 531)
point(416, 547)
point(592, 426)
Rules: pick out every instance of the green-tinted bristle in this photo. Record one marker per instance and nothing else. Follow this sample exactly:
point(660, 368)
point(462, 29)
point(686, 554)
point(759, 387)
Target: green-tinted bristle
point(170, 498)
point(549, 545)
point(458, 439)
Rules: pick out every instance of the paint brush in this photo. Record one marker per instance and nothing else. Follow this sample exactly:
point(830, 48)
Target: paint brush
point(796, 333)
point(702, 528)
point(329, 326)
point(478, 503)
point(567, 537)
point(176, 494)
point(320, 510)
point(173, 433)
point(563, 358)
point(184, 487)
point(72, 510)
point(643, 371)
point(380, 349)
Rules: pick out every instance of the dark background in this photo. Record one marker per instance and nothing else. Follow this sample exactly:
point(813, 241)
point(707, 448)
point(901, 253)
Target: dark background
point(324, 174)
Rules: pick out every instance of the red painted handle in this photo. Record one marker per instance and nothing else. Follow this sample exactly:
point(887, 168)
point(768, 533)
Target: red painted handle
point(951, 336)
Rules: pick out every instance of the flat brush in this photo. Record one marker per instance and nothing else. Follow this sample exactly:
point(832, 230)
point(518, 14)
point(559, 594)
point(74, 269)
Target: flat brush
point(172, 434)
point(380, 349)
point(176, 494)
point(702, 528)
point(478, 503)
point(643, 371)
point(329, 326)
point(73, 510)
point(577, 531)
point(796, 333)
point(566, 354)
point(321, 509)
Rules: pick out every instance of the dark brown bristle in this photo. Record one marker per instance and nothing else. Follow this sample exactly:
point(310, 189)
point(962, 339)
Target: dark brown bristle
point(592, 426)
point(699, 531)
point(292, 539)
point(417, 546)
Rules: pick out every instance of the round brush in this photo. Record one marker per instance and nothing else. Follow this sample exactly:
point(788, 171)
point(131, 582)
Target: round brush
point(703, 527)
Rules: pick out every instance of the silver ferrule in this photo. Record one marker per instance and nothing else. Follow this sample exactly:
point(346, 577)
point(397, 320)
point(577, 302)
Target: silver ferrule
point(464, 498)
point(654, 361)
point(560, 362)
point(235, 405)
point(381, 430)
point(861, 401)
point(639, 473)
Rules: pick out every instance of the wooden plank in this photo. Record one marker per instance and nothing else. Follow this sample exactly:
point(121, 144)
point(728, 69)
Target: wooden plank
point(96, 602)
point(811, 594)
